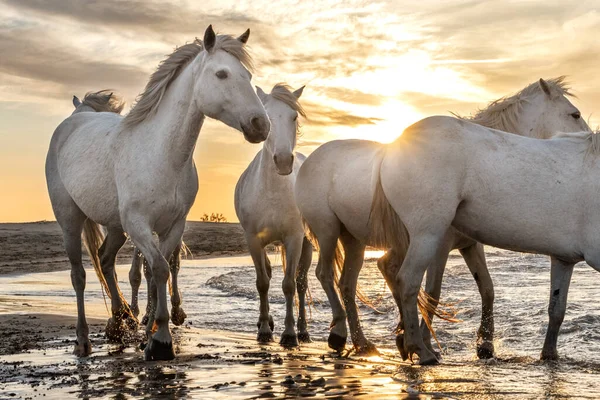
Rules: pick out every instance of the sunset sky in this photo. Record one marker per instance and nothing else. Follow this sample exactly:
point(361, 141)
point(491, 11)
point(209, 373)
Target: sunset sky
point(371, 68)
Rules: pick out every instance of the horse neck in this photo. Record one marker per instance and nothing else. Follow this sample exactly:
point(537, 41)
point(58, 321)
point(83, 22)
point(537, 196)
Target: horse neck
point(178, 120)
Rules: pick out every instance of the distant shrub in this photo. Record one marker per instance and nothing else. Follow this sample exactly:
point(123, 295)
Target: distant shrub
point(213, 217)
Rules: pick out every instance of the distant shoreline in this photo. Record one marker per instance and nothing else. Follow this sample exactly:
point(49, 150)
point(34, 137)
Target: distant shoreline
point(38, 246)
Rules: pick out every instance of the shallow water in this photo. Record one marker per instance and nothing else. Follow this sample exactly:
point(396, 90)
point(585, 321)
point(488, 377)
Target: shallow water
point(220, 294)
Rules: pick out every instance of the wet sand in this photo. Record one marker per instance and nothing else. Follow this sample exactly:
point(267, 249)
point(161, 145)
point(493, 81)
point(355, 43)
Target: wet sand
point(36, 362)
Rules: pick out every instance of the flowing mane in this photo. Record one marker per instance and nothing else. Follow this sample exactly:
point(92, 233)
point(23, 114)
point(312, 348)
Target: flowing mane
point(104, 101)
point(503, 114)
point(170, 68)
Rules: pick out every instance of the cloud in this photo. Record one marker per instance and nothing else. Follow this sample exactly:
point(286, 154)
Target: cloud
point(321, 115)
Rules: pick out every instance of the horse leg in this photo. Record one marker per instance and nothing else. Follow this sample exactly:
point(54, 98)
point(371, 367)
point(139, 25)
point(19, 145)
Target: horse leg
point(177, 314)
point(353, 261)
point(150, 289)
point(475, 258)
point(560, 277)
point(433, 287)
point(135, 280)
point(160, 344)
point(263, 280)
point(422, 252)
point(302, 287)
point(115, 328)
point(72, 241)
point(293, 249)
point(338, 333)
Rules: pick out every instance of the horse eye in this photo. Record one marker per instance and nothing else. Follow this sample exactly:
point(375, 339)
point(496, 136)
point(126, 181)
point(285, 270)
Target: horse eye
point(576, 115)
point(221, 74)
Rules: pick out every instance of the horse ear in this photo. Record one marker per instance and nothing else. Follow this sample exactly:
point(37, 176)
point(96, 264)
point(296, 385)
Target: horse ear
point(209, 38)
point(261, 94)
point(244, 36)
point(545, 87)
point(298, 92)
point(76, 101)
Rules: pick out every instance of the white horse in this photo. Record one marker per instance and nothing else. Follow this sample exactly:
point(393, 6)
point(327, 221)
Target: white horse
point(265, 206)
point(136, 174)
point(334, 192)
point(516, 193)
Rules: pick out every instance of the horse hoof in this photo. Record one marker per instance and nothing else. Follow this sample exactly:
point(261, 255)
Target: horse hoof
point(400, 346)
point(304, 337)
point(485, 350)
point(83, 349)
point(430, 359)
point(115, 331)
point(178, 316)
point(145, 319)
point(336, 342)
point(264, 337)
point(289, 341)
point(549, 355)
point(368, 349)
point(158, 351)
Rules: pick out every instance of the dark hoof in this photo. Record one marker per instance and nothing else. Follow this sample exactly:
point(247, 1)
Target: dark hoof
point(289, 341)
point(83, 349)
point(178, 316)
point(336, 342)
point(304, 337)
point(264, 337)
point(430, 360)
point(157, 351)
point(551, 355)
point(366, 350)
point(115, 330)
point(400, 346)
point(145, 319)
point(485, 350)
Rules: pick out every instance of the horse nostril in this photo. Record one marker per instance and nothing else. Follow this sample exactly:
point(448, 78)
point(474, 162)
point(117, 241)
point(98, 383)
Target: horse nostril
point(275, 159)
point(256, 123)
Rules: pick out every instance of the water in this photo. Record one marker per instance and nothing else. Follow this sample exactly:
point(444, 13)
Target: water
point(220, 294)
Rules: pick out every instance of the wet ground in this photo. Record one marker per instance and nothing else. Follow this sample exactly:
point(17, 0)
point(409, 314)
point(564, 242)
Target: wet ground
point(218, 356)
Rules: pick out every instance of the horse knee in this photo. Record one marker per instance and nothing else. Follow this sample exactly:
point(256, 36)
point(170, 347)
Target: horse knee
point(160, 270)
point(262, 285)
point(78, 278)
point(289, 286)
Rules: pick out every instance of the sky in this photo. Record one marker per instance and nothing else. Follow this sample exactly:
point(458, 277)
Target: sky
point(371, 68)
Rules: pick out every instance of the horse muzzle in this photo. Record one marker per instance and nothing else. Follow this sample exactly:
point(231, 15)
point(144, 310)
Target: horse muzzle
point(257, 130)
point(284, 164)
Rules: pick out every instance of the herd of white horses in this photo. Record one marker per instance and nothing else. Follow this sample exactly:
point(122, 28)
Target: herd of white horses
point(518, 175)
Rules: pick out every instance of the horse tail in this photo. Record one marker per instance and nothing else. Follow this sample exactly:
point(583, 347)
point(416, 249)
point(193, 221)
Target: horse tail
point(93, 237)
point(388, 231)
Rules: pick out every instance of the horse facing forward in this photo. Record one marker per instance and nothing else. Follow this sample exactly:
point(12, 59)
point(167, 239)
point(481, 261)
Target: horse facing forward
point(335, 189)
point(265, 206)
point(136, 174)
